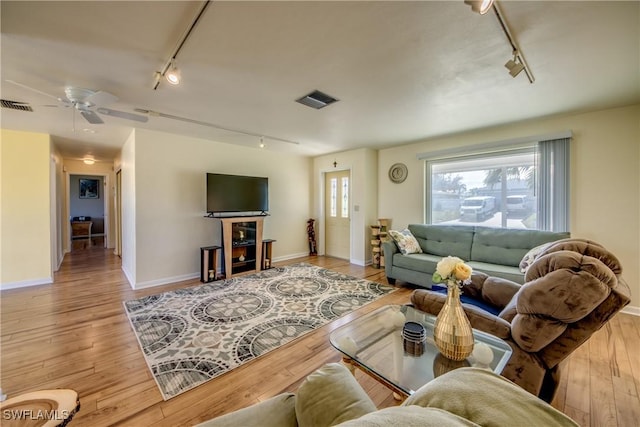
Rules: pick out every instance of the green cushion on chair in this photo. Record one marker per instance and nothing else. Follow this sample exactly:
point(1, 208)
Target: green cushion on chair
point(279, 411)
point(488, 399)
point(409, 416)
point(329, 396)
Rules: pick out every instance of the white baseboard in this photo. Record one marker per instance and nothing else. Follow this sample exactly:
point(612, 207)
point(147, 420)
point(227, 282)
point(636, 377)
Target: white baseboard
point(290, 256)
point(165, 281)
point(634, 311)
point(26, 283)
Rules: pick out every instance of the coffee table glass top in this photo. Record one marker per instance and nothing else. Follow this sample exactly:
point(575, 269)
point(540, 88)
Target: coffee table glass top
point(374, 343)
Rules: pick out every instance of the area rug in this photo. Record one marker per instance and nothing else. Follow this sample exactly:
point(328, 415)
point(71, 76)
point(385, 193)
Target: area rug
point(190, 336)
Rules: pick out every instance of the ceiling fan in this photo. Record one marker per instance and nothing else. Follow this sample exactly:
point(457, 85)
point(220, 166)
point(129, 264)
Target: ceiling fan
point(84, 100)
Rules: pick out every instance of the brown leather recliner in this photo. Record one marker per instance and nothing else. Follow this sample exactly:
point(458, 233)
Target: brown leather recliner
point(571, 290)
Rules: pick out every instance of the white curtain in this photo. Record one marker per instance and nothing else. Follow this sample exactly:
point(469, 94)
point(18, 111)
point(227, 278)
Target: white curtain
point(553, 184)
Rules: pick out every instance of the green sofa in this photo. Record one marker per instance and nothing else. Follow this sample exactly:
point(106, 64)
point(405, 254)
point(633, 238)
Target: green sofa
point(494, 251)
point(331, 396)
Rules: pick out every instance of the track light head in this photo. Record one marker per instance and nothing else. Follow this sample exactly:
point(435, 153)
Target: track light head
point(514, 66)
point(173, 74)
point(480, 6)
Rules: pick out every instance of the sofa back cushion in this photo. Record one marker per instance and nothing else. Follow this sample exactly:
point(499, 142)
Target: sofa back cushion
point(508, 246)
point(444, 240)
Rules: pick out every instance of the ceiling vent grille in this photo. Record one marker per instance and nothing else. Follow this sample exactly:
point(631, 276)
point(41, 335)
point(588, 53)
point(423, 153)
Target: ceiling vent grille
point(316, 99)
point(15, 105)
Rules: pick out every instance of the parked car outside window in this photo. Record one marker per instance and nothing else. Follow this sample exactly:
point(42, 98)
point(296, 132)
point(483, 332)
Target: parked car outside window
point(519, 204)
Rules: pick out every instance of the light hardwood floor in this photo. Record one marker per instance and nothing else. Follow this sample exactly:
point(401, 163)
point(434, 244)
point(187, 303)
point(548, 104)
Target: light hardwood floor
point(75, 334)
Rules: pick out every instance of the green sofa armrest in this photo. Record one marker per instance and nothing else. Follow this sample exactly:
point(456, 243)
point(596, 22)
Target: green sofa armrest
point(389, 248)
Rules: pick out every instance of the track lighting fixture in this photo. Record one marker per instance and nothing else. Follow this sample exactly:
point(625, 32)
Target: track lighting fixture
point(170, 71)
point(480, 6)
point(513, 65)
point(518, 63)
point(173, 73)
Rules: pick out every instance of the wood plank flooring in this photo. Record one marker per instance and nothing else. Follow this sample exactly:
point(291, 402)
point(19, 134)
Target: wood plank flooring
point(75, 334)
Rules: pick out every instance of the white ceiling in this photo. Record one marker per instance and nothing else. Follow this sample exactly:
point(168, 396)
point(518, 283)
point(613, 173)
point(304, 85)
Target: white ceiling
point(402, 71)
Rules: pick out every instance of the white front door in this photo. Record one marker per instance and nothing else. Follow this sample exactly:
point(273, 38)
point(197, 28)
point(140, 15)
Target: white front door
point(337, 214)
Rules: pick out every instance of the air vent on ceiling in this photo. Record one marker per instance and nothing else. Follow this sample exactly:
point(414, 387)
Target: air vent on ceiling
point(316, 99)
point(15, 105)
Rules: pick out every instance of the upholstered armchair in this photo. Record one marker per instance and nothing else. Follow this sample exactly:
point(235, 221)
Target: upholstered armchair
point(571, 290)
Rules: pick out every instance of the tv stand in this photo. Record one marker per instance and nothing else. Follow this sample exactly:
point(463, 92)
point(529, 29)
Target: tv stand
point(242, 244)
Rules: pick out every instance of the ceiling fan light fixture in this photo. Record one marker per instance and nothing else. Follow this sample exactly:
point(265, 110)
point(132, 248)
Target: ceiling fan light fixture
point(480, 6)
point(173, 74)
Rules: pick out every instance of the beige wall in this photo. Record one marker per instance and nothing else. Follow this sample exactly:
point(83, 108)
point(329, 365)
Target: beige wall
point(605, 179)
point(25, 208)
point(364, 197)
point(167, 174)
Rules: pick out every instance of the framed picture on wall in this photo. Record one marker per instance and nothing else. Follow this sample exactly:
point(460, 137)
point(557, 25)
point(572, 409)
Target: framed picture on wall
point(89, 188)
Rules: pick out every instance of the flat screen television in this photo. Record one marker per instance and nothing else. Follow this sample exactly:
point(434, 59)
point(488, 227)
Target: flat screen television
point(237, 193)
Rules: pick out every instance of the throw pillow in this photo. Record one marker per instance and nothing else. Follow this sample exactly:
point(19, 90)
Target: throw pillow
point(406, 242)
point(532, 255)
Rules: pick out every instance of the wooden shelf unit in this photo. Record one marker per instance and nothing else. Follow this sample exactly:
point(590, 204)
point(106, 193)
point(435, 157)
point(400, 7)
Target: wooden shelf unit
point(209, 263)
point(242, 245)
point(379, 234)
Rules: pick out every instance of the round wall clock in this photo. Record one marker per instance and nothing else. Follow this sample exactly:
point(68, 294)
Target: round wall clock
point(398, 173)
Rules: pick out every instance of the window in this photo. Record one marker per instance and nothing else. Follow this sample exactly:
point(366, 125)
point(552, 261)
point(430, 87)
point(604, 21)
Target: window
point(520, 187)
point(345, 197)
point(334, 198)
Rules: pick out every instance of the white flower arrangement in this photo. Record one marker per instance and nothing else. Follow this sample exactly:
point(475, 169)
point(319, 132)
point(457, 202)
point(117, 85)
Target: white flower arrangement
point(452, 270)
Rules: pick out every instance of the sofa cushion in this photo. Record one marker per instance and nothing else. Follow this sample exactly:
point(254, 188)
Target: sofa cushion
point(508, 246)
point(405, 241)
point(444, 240)
point(409, 416)
point(505, 271)
point(329, 396)
point(488, 399)
point(279, 411)
point(425, 263)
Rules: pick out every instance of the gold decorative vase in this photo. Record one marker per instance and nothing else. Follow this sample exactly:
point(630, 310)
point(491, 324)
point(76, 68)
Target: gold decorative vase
point(452, 331)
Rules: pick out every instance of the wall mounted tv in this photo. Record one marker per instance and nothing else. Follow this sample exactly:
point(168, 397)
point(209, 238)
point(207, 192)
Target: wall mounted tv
point(236, 194)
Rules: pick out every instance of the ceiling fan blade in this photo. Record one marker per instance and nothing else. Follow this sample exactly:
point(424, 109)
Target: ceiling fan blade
point(101, 98)
point(13, 82)
point(91, 117)
point(123, 115)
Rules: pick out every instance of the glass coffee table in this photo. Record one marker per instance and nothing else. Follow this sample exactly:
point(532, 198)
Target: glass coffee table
point(374, 344)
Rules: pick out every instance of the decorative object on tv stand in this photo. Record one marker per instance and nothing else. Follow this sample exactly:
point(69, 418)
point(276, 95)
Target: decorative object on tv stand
point(452, 331)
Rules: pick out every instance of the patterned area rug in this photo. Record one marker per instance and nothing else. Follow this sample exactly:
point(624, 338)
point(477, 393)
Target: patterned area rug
point(192, 335)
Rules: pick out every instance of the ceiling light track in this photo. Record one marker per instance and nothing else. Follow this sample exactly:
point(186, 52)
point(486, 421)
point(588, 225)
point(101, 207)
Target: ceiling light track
point(518, 63)
point(170, 70)
point(211, 125)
